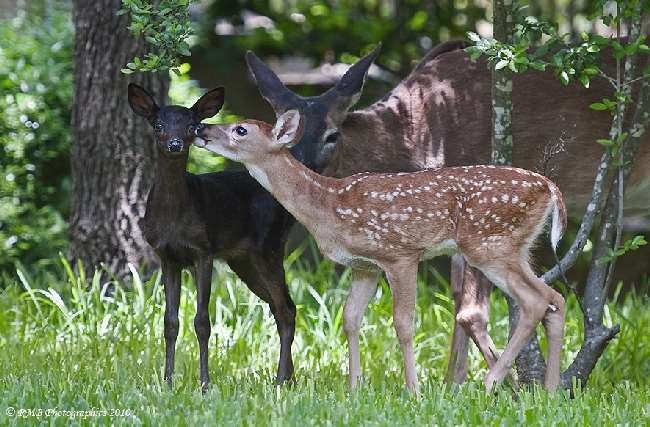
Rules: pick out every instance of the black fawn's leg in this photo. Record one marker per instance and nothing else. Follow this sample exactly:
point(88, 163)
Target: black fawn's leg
point(271, 288)
point(403, 284)
point(533, 301)
point(172, 281)
point(362, 289)
point(202, 317)
point(457, 366)
point(284, 312)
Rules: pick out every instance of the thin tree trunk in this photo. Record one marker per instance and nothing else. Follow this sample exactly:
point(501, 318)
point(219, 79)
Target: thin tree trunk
point(530, 363)
point(502, 89)
point(112, 156)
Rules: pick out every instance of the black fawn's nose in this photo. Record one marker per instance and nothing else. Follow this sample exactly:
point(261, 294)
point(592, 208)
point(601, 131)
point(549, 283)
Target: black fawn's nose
point(175, 145)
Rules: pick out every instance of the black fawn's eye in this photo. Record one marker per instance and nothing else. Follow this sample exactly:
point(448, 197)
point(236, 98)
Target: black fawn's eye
point(241, 131)
point(158, 127)
point(196, 128)
point(332, 137)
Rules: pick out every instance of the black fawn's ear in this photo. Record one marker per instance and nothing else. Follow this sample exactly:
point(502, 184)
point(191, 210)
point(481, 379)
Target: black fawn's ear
point(269, 84)
point(142, 103)
point(289, 128)
point(347, 91)
point(209, 104)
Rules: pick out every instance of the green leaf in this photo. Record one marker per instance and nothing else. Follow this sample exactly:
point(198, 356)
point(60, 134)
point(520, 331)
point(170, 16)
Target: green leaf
point(539, 66)
point(184, 49)
point(564, 78)
point(605, 142)
point(474, 37)
point(126, 71)
point(598, 106)
point(501, 64)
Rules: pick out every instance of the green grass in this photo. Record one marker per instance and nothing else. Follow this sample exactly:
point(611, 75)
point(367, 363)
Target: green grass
point(62, 347)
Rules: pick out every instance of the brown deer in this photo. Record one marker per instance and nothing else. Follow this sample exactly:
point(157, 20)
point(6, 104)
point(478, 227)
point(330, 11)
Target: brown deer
point(440, 116)
point(373, 222)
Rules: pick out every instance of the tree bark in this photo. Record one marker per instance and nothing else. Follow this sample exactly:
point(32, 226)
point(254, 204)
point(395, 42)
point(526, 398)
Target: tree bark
point(112, 153)
point(530, 363)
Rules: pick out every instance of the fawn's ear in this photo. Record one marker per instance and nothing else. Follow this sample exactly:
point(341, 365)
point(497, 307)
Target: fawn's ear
point(289, 128)
point(142, 103)
point(209, 104)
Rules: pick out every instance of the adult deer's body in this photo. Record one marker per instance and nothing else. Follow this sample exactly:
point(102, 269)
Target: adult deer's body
point(440, 115)
point(389, 222)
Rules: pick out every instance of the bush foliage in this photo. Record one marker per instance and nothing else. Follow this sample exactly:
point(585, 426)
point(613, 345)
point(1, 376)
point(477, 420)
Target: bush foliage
point(36, 79)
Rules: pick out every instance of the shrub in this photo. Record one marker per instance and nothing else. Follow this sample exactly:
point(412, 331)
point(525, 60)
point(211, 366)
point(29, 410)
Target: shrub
point(36, 79)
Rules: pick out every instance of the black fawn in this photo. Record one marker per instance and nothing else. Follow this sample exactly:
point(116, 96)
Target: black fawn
point(191, 219)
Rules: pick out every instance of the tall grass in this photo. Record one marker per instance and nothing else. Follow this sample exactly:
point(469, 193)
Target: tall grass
point(66, 343)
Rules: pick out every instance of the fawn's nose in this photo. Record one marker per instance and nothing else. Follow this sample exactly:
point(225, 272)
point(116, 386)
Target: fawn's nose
point(175, 145)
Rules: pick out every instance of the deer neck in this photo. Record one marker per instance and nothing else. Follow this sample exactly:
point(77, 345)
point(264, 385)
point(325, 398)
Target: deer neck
point(170, 182)
point(307, 195)
point(394, 134)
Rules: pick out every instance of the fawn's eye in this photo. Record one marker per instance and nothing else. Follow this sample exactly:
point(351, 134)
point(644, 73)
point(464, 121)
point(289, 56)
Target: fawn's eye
point(241, 131)
point(158, 127)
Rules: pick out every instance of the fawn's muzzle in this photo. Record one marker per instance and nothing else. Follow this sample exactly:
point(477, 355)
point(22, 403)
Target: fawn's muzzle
point(175, 145)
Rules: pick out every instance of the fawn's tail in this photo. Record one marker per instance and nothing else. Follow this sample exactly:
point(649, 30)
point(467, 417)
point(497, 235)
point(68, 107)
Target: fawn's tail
point(559, 221)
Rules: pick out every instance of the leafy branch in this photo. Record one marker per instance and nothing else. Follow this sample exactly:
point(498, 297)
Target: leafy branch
point(165, 25)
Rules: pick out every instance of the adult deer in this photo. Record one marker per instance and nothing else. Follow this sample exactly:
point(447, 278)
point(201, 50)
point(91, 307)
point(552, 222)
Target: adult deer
point(440, 116)
point(374, 222)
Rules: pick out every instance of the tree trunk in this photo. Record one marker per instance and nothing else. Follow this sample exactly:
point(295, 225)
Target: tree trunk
point(530, 363)
point(112, 153)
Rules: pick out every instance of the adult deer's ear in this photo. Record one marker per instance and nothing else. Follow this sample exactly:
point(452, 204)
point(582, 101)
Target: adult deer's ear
point(269, 84)
point(289, 128)
point(209, 104)
point(348, 90)
point(142, 103)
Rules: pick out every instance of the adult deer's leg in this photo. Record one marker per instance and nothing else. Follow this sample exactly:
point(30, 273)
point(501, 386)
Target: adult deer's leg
point(471, 291)
point(362, 289)
point(457, 366)
point(171, 274)
point(474, 313)
point(202, 317)
point(265, 278)
point(403, 284)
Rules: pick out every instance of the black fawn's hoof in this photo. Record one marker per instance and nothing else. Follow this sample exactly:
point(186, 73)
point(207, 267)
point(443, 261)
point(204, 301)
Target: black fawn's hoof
point(285, 381)
point(204, 388)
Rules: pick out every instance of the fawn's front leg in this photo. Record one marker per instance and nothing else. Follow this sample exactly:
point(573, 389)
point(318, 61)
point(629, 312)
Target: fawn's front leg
point(202, 317)
point(403, 284)
point(171, 275)
point(362, 289)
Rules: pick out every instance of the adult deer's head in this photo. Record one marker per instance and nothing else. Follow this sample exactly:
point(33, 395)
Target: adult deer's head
point(322, 114)
point(174, 125)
